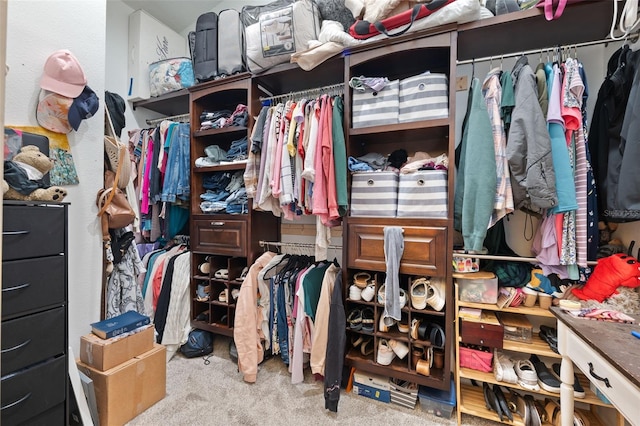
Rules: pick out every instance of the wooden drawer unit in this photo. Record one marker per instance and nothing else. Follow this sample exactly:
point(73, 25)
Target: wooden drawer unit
point(32, 283)
point(482, 333)
point(32, 391)
point(424, 249)
point(31, 339)
point(220, 236)
point(33, 231)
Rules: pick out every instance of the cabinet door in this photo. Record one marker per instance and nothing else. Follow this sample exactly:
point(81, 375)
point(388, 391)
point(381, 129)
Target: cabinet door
point(424, 249)
point(220, 236)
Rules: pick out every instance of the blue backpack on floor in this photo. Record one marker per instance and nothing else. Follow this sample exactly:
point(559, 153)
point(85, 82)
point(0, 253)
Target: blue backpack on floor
point(200, 343)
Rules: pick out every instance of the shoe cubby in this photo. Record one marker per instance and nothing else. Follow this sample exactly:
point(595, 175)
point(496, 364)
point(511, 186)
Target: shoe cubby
point(408, 337)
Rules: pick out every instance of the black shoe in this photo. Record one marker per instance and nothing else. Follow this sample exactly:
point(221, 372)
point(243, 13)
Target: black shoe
point(490, 399)
point(549, 335)
point(502, 403)
point(578, 390)
point(546, 380)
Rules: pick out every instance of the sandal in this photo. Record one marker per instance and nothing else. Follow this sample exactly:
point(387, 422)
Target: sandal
point(222, 274)
point(419, 293)
point(243, 274)
point(355, 319)
point(361, 279)
point(385, 353)
point(368, 318)
point(223, 296)
point(534, 415)
point(546, 380)
point(366, 348)
point(436, 294)
point(385, 324)
point(382, 297)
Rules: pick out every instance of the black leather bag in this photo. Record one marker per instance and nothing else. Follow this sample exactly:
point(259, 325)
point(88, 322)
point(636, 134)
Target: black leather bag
point(200, 343)
point(205, 52)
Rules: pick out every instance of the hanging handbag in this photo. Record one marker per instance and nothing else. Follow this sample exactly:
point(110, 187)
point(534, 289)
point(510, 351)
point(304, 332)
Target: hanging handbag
point(553, 8)
point(115, 210)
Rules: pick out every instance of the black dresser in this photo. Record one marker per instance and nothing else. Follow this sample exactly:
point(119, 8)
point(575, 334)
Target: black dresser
point(34, 314)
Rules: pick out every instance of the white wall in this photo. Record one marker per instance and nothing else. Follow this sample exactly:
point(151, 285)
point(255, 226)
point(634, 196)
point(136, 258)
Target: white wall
point(35, 30)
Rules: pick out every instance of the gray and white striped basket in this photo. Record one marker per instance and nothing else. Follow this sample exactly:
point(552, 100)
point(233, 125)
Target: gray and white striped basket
point(423, 194)
point(424, 97)
point(372, 108)
point(374, 194)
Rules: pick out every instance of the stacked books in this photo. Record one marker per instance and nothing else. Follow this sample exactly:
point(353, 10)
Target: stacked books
point(123, 323)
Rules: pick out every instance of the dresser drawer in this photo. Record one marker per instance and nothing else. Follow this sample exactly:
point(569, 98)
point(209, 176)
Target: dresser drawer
point(425, 249)
point(33, 231)
point(622, 391)
point(479, 333)
point(32, 283)
point(33, 391)
point(224, 237)
point(32, 338)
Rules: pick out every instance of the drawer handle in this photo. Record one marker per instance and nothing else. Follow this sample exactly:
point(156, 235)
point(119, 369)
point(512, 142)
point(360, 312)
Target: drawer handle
point(10, 233)
point(21, 345)
point(595, 376)
point(18, 287)
point(217, 223)
point(13, 404)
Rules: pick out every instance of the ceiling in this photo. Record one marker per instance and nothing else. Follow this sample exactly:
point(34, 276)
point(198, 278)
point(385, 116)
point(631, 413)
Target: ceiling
point(176, 14)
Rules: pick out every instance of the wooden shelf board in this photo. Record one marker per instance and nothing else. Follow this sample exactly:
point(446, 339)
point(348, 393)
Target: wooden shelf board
point(391, 128)
point(222, 131)
point(472, 402)
point(537, 311)
point(537, 346)
point(590, 397)
point(221, 168)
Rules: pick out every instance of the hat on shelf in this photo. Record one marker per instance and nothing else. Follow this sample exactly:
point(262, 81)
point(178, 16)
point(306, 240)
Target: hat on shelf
point(84, 106)
point(52, 112)
point(63, 74)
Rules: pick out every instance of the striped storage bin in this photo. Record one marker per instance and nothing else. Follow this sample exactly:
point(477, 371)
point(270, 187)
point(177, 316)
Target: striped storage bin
point(376, 108)
point(423, 194)
point(424, 97)
point(374, 194)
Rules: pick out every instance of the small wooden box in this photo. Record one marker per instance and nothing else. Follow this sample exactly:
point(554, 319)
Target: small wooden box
point(485, 331)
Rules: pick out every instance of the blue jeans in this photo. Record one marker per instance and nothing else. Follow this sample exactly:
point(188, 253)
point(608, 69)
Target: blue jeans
point(176, 180)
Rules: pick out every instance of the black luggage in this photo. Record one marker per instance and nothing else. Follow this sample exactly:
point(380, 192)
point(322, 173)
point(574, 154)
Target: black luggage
point(230, 43)
point(205, 55)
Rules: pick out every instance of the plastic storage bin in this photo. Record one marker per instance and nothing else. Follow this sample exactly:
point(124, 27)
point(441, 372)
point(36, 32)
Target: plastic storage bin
point(477, 287)
point(438, 402)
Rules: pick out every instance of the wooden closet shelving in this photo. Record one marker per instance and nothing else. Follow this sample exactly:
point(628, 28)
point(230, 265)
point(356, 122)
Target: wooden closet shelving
point(522, 31)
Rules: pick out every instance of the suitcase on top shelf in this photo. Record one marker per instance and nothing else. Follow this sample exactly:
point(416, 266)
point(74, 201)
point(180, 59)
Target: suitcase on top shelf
point(205, 53)
point(230, 43)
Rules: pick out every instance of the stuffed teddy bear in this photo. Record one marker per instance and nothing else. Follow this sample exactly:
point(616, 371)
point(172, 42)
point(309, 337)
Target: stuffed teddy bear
point(23, 176)
point(610, 273)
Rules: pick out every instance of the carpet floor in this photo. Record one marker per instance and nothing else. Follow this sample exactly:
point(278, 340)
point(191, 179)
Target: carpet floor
point(214, 393)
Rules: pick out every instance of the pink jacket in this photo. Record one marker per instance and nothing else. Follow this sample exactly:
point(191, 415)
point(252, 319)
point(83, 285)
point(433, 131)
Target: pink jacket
point(247, 334)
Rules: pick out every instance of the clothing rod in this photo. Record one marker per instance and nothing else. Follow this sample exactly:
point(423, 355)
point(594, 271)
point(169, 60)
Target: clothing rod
point(508, 258)
point(306, 92)
point(292, 244)
point(183, 118)
point(530, 52)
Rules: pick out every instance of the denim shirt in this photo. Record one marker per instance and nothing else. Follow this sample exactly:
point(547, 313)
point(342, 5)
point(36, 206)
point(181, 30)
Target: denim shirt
point(176, 180)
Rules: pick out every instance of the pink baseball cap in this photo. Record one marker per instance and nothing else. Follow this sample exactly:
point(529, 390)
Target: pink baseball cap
point(63, 74)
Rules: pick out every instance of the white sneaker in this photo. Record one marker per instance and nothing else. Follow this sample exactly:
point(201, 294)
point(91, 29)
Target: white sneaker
point(385, 353)
point(527, 377)
point(400, 348)
point(503, 368)
point(355, 293)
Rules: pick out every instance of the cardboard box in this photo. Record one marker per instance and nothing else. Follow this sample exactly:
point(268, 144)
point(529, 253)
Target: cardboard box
point(103, 354)
point(372, 386)
point(128, 389)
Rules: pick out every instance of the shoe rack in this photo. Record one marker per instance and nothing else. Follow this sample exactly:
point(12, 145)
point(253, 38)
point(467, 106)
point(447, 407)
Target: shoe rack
point(222, 244)
point(471, 399)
